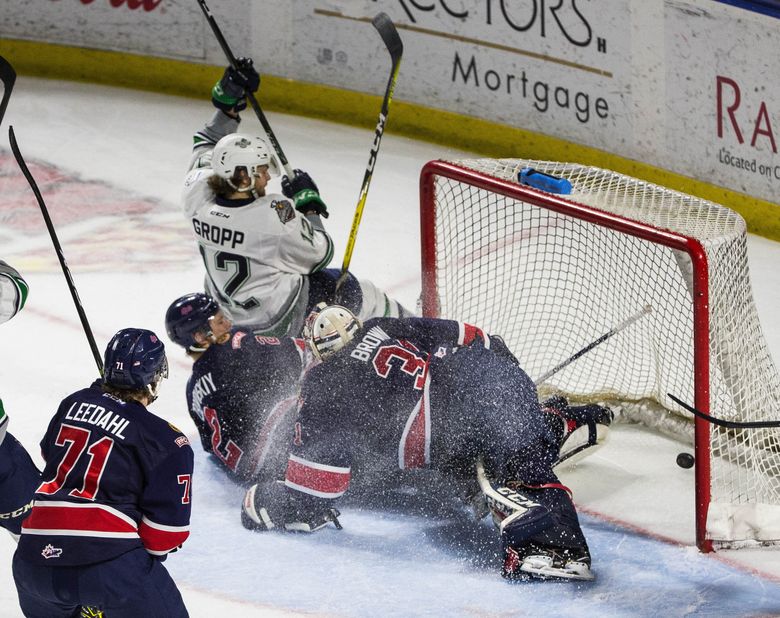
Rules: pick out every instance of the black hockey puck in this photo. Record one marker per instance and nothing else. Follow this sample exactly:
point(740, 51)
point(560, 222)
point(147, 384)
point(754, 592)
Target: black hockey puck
point(685, 460)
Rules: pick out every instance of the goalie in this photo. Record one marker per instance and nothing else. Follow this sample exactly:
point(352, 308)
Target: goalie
point(431, 393)
point(242, 394)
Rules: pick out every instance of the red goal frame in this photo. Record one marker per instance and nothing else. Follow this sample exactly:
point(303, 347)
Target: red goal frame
point(701, 321)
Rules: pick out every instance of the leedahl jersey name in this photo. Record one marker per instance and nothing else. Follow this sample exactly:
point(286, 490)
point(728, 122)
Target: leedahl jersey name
point(93, 414)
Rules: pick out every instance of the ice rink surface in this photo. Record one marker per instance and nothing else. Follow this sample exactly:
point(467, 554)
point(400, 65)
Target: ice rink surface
point(110, 164)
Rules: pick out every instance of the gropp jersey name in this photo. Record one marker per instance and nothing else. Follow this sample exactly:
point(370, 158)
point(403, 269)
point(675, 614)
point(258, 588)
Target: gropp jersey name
point(218, 235)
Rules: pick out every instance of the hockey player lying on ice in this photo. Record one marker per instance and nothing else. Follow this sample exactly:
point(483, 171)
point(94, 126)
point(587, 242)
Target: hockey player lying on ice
point(418, 397)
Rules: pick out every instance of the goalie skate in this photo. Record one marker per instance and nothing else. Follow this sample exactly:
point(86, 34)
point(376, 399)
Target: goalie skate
point(546, 563)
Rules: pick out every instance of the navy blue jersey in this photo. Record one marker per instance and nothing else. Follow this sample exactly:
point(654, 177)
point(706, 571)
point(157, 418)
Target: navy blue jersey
point(242, 396)
point(405, 392)
point(18, 479)
point(117, 477)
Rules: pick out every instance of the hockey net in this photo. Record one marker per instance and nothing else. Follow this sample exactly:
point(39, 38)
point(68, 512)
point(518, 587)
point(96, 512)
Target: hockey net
point(552, 273)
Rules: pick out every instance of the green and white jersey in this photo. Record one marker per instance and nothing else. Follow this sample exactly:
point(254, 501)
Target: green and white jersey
point(13, 292)
point(257, 251)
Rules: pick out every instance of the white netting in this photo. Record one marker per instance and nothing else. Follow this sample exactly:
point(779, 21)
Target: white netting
point(551, 283)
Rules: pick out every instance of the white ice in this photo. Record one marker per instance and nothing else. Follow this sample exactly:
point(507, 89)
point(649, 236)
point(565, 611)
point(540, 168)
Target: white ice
point(131, 254)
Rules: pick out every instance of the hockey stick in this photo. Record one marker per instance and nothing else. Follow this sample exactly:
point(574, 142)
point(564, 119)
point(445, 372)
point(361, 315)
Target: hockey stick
point(66, 271)
point(249, 95)
point(8, 77)
point(620, 327)
point(392, 41)
point(727, 424)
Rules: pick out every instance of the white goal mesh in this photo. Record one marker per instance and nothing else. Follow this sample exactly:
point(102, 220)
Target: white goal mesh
point(553, 273)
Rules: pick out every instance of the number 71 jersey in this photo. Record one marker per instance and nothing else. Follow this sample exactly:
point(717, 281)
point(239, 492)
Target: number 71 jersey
point(116, 477)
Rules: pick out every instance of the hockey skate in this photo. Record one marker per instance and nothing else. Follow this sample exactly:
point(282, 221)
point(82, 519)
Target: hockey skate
point(546, 563)
point(585, 428)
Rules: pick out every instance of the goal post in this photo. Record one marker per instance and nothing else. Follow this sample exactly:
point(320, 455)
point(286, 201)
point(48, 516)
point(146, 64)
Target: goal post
point(550, 273)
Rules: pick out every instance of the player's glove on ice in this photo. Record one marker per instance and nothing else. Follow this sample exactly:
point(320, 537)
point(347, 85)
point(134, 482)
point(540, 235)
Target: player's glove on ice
point(229, 93)
point(302, 190)
point(268, 506)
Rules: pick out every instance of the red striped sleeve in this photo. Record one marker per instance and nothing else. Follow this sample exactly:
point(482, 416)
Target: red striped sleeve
point(414, 449)
point(159, 539)
point(316, 479)
point(469, 332)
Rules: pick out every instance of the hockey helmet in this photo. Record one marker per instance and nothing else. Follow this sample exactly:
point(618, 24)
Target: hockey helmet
point(135, 359)
point(188, 315)
point(236, 151)
point(329, 328)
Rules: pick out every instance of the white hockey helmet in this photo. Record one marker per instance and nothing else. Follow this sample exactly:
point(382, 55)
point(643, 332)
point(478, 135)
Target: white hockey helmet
point(329, 328)
point(236, 151)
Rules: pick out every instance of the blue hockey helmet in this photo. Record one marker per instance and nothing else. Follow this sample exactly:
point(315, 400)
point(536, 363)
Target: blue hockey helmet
point(135, 359)
point(188, 315)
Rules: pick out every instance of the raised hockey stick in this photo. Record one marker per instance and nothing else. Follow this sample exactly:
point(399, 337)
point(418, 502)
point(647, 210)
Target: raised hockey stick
point(392, 41)
point(8, 77)
point(249, 95)
point(620, 327)
point(66, 271)
point(727, 424)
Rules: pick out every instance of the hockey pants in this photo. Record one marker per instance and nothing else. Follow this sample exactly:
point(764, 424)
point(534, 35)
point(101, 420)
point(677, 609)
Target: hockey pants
point(131, 585)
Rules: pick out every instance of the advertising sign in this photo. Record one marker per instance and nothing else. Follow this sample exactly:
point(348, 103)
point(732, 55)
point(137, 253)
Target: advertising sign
point(723, 98)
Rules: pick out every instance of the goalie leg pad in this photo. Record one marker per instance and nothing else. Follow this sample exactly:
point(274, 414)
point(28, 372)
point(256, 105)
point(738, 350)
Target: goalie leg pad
point(515, 515)
point(559, 551)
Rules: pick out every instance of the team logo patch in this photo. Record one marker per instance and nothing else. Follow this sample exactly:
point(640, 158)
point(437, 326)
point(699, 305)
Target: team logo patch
point(182, 441)
point(284, 209)
point(51, 552)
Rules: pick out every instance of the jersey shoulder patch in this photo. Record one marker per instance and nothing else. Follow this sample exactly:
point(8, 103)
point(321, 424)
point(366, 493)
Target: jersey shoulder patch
point(284, 210)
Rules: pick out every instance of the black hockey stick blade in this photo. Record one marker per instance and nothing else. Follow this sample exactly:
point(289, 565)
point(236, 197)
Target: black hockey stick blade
point(63, 264)
point(8, 77)
point(727, 424)
point(390, 36)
